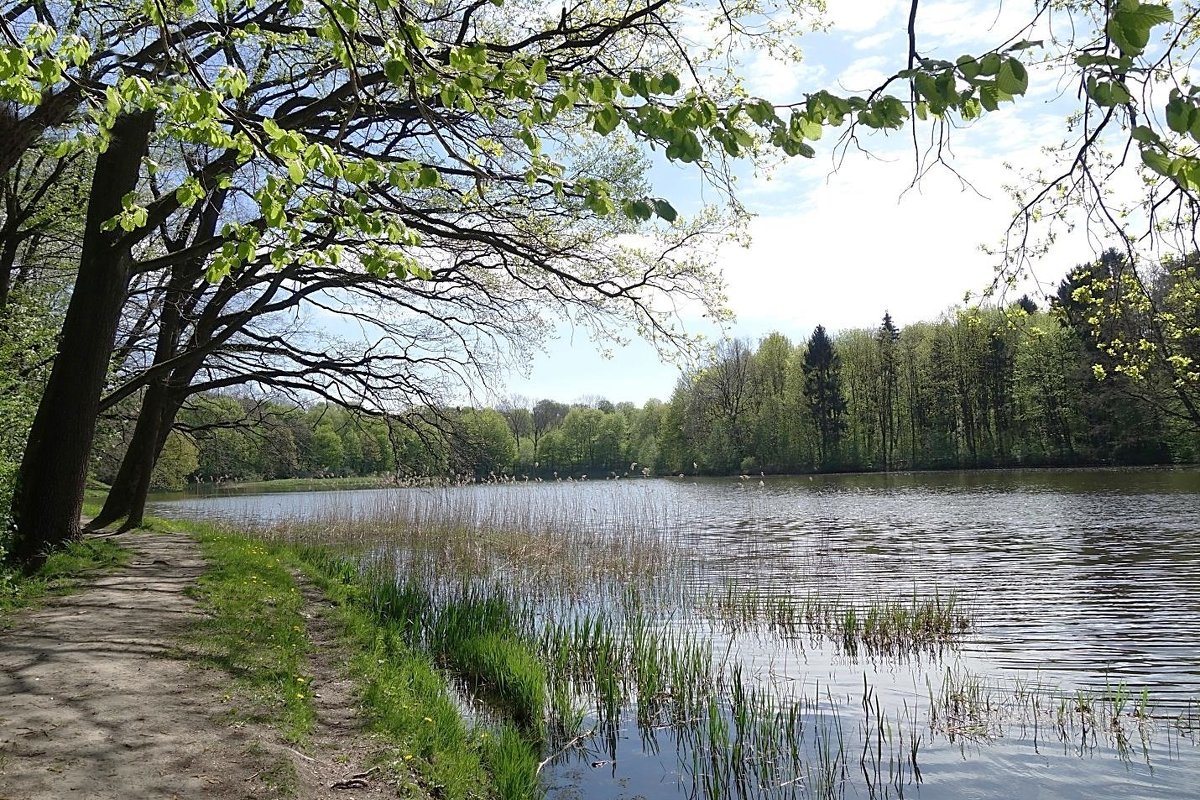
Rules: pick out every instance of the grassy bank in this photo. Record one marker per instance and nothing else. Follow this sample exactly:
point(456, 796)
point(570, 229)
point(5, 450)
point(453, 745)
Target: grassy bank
point(405, 694)
point(255, 629)
point(256, 632)
point(63, 571)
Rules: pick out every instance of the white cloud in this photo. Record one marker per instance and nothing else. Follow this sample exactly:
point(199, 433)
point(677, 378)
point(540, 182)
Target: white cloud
point(779, 79)
point(864, 74)
point(973, 25)
point(841, 251)
point(874, 40)
point(859, 16)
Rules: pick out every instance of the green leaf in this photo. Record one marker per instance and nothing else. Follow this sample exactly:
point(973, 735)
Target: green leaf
point(1131, 23)
point(537, 72)
point(1144, 135)
point(668, 83)
point(760, 112)
point(428, 178)
point(665, 210)
point(347, 14)
point(296, 171)
point(395, 69)
point(1157, 160)
point(990, 96)
point(926, 86)
point(1024, 44)
point(1179, 114)
point(605, 120)
point(1012, 77)
point(638, 210)
point(639, 84)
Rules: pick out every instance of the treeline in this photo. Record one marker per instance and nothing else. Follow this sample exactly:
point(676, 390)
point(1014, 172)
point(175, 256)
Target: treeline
point(1013, 386)
point(1071, 385)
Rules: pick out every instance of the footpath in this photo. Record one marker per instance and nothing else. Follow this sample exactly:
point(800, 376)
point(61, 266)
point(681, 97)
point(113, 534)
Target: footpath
point(99, 700)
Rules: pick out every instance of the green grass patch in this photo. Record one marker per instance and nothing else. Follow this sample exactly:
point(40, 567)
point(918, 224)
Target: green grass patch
point(63, 572)
point(404, 691)
point(255, 630)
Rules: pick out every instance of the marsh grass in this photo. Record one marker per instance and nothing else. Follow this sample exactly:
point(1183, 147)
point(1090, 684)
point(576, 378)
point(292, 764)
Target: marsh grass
point(555, 548)
point(572, 630)
point(877, 627)
point(968, 707)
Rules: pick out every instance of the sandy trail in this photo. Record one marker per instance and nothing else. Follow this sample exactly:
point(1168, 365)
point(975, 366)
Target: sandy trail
point(99, 702)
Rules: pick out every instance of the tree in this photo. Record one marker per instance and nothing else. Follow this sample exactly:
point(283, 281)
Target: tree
point(886, 339)
point(419, 111)
point(180, 458)
point(772, 431)
point(488, 448)
point(823, 395)
point(547, 415)
point(723, 393)
point(520, 419)
point(40, 197)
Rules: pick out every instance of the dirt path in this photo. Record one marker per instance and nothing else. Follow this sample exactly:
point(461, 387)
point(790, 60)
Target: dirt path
point(97, 702)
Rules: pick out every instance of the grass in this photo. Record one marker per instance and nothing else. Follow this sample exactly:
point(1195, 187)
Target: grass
point(404, 693)
point(296, 485)
point(254, 629)
point(63, 572)
point(256, 633)
point(880, 626)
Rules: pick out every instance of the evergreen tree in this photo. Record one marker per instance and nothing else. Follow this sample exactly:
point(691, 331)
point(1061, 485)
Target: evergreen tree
point(823, 392)
point(886, 338)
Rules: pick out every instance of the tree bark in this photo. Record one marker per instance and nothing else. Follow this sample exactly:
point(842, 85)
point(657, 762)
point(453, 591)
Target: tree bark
point(48, 496)
point(127, 496)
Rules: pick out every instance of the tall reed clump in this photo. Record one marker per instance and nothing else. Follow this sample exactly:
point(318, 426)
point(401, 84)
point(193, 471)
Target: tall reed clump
point(881, 626)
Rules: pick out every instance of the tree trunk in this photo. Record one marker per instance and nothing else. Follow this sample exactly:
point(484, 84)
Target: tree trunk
point(149, 434)
point(48, 496)
point(127, 496)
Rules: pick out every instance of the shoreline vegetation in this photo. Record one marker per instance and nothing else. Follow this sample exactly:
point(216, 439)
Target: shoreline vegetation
point(981, 389)
point(257, 633)
point(489, 650)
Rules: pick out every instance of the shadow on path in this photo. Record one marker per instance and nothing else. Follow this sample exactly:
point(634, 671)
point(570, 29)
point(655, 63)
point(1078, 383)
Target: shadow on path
point(96, 703)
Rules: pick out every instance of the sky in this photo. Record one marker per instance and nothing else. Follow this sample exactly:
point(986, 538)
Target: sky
point(840, 244)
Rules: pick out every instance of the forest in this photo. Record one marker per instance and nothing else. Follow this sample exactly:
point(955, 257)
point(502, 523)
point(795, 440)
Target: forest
point(1016, 385)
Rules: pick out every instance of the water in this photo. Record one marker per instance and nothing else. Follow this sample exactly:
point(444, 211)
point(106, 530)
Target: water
point(1078, 580)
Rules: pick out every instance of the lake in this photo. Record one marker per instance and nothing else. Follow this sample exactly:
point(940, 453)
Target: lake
point(1078, 677)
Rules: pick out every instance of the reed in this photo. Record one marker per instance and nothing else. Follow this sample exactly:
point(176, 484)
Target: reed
point(877, 627)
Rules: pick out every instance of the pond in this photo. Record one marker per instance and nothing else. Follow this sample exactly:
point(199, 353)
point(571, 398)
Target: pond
point(1075, 671)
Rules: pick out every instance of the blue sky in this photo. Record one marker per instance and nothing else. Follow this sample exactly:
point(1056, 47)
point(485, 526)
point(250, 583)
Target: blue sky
point(840, 246)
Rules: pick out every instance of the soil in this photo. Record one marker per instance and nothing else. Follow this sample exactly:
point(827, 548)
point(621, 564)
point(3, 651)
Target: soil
point(100, 699)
